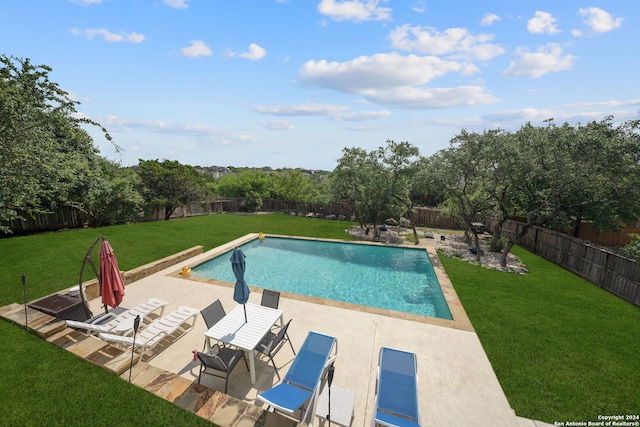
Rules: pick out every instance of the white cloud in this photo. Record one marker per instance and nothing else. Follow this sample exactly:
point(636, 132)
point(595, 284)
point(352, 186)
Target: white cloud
point(395, 80)
point(379, 71)
point(197, 48)
point(333, 112)
point(86, 2)
point(431, 98)
point(278, 125)
point(363, 116)
point(420, 6)
point(488, 19)
point(605, 104)
point(599, 20)
point(108, 36)
point(546, 59)
point(520, 116)
point(210, 132)
point(570, 113)
point(354, 10)
point(177, 4)
point(543, 22)
point(255, 53)
point(307, 109)
point(455, 42)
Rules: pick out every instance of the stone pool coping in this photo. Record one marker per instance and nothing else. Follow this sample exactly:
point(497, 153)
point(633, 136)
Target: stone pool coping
point(460, 319)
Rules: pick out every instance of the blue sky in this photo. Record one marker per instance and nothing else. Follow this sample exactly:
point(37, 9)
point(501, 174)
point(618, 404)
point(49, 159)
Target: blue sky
point(290, 83)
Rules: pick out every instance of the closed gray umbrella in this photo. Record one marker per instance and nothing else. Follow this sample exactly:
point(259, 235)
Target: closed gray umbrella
point(241, 291)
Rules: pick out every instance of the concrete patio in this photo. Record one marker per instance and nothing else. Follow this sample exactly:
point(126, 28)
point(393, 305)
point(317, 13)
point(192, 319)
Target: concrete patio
point(457, 385)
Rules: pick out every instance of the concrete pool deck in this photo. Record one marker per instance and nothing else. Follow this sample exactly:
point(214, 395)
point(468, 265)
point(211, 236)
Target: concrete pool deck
point(457, 385)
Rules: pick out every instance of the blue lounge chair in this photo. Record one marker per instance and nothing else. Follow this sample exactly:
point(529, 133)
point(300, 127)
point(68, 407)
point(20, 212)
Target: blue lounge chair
point(304, 380)
point(397, 389)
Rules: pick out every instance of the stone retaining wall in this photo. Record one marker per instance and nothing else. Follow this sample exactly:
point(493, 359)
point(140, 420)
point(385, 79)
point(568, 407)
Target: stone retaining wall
point(92, 288)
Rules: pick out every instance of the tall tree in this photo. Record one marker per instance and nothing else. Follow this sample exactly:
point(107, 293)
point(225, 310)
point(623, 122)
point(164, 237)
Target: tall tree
point(586, 172)
point(347, 181)
point(461, 175)
point(253, 185)
point(365, 184)
point(293, 185)
point(45, 155)
point(401, 158)
point(113, 195)
point(170, 184)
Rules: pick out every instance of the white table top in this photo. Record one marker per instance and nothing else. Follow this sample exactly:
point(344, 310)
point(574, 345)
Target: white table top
point(233, 330)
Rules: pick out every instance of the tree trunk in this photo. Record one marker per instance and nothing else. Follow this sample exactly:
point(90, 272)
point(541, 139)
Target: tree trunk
point(416, 239)
point(576, 228)
point(505, 252)
point(167, 213)
point(467, 237)
point(477, 242)
point(497, 234)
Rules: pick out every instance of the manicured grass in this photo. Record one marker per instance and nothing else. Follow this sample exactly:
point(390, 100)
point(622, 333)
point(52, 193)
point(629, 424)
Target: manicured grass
point(43, 385)
point(562, 348)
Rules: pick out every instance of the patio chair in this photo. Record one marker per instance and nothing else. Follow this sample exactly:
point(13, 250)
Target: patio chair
point(273, 342)
point(212, 314)
point(180, 321)
point(397, 390)
point(270, 298)
point(304, 380)
point(220, 362)
point(143, 310)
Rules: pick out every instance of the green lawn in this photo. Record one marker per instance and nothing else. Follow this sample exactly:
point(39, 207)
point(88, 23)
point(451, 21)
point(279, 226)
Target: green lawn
point(562, 348)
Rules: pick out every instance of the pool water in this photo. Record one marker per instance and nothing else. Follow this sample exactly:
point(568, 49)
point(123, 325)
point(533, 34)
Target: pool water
point(400, 279)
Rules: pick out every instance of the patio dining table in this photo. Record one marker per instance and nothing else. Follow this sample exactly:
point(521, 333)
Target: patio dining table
point(233, 330)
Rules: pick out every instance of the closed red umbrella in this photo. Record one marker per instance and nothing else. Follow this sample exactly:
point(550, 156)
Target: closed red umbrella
point(111, 283)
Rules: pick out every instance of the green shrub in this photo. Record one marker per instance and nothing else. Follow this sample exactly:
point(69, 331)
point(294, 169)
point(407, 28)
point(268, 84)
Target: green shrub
point(633, 248)
point(500, 244)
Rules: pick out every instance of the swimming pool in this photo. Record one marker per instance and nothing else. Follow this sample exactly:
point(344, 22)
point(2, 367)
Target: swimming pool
point(400, 279)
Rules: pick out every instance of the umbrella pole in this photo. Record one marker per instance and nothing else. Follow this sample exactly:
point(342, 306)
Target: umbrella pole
point(87, 260)
point(245, 312)
point(329, 381)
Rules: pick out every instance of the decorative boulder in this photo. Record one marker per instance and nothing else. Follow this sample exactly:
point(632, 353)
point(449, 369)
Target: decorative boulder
point(310, 215)
point(391, 221)
point(330, 217)
point(341, 217)
point(428, 235)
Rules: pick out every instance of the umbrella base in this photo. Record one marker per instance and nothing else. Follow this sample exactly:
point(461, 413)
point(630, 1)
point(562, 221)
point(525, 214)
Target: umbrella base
point(62, 307)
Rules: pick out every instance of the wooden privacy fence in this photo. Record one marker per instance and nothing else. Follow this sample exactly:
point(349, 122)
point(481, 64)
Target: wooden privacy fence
point(423, 217)
point(433, 218)
point(608, 270)
point(67, 217)
point(63, 217)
